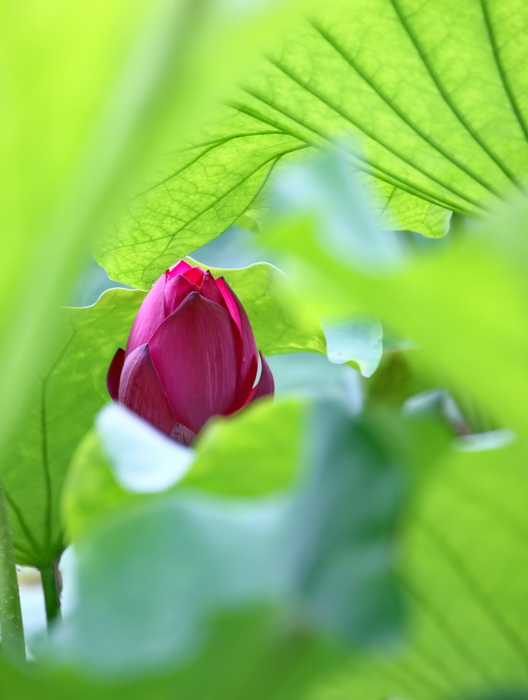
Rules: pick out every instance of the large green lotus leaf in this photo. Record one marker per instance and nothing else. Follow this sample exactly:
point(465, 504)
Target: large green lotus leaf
point(430, 93)
point(205, 190)
point(65, 400)
point(125, 457)
point(210, 186)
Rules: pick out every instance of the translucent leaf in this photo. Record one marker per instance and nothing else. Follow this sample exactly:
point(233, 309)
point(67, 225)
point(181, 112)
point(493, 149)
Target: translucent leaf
point(429, 94)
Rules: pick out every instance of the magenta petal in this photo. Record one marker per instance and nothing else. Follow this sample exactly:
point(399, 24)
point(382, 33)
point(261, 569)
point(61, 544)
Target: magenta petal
point(194, 275)
point(176, 289)
point(266, 385)
point(182, 434)
point(178, 269)
point(229, 298)
point(209, 290)
point(196, 353)
point(141, 391)
point(249, 361)
point(114, 373)
point(151, 313)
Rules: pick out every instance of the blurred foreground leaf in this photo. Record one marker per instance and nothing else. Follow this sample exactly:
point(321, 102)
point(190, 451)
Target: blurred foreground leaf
point(464, 532)
point(179, 559)
point(254, 453)
point(467, 529)
point(464, 536)
point(298, 552)
point(342, 557)
point(246, 657)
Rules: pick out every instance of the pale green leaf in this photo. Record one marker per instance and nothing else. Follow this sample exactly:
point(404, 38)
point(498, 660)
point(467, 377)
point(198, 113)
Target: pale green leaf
point(248, 455)
point(358, 342)
point(464, 533)
point(201, 557)
point(341, 560)
point(254, 453)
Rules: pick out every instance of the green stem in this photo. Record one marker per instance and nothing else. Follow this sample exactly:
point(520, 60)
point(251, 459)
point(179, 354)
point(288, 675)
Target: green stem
point(51, 585)
point(11, 626)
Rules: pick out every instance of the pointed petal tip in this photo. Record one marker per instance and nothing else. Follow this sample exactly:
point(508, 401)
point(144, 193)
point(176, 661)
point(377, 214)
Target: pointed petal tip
point(195, 275)
point(178, 269)
point(176, 290)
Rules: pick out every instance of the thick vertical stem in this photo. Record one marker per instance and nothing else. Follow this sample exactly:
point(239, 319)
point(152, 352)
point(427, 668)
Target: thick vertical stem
point(11, 626)
point(51, 586)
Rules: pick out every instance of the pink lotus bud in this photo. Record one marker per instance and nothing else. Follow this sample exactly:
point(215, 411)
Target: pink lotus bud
point(190, 355)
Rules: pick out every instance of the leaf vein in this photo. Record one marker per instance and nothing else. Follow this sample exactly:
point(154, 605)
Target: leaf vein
point(447, 98)
point(375, 138)
point(405, 118)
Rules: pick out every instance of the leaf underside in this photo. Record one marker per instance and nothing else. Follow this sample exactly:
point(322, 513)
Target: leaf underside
point(429, 96)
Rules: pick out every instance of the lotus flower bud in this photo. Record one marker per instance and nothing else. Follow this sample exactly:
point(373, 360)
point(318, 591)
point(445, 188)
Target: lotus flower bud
point(190, 355)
